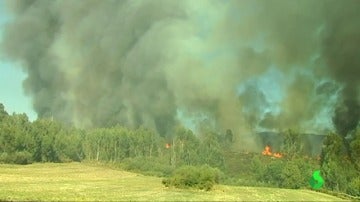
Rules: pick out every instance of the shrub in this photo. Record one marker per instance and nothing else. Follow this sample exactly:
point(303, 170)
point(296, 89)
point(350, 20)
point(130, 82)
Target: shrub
point(147, 166)
point(258, 168)
point(290, 176)
point(272, 172)
point(203, 177)
point(354, 187)
point(4, 157)
point(306, 169)
point(22, 158)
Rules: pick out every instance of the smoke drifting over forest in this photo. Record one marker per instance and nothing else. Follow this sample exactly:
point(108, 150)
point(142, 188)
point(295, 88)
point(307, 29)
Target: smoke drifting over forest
point(245, 65)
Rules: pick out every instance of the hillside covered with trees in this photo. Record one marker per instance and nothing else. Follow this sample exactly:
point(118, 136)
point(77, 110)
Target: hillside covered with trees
point(143, 150)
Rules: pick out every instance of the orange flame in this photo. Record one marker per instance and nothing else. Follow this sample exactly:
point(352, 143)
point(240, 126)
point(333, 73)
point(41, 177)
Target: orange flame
point(167, 146)
point(277, 155)
point(267, 152)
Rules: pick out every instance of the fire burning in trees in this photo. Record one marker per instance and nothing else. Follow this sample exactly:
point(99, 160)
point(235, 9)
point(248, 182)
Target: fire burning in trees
point(267, 152)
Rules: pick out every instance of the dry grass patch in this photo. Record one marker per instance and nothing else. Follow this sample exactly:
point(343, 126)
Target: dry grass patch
point(84, 182)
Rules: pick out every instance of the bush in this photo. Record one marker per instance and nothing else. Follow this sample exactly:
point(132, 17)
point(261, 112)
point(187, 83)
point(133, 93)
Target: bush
point(258, 168)
point(290, 176)
point(148, 166)
point(203, 177)
point(306, 169)
point(22, 158)
point(272, 172)
point(354, 187)
point(4, 157)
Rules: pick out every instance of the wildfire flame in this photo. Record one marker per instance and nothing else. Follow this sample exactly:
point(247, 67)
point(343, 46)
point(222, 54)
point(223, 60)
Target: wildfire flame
point(167, 146)
point(267, 152)
point(277, 155)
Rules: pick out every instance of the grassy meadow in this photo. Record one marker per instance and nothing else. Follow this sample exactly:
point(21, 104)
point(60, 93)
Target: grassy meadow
point(84, 182)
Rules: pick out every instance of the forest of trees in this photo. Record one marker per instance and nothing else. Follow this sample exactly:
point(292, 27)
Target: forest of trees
point(143, 150)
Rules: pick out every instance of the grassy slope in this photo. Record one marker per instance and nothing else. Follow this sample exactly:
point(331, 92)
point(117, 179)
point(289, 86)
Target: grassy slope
point(82, 182)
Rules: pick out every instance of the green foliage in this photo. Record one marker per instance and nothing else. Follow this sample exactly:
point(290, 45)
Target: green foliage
point(3, 113)
point(272, 172)
point(258, 168)
point(292, 144)
point(306, 169)
point(354, 187)
point(54, 142)
point(290, 176)
point(15, 133)
point(332, 147)
point(22, 158)
point(117, 143)
point(148, 166)
point(43, 140)
point(202, 177)
point(333, 175)
point(339, 171)
point(185, 150)
point(68, 144)
point(355, 148)
point(143, 150)
point(4, 158)
point(211, 152)
point(335, 167)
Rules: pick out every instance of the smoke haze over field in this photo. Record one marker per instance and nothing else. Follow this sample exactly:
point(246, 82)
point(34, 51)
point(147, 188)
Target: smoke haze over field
point(244, 65)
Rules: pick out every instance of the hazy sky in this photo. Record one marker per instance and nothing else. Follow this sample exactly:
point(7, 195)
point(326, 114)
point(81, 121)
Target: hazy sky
point(244, 65)
point(11, 77)
point(270, 82)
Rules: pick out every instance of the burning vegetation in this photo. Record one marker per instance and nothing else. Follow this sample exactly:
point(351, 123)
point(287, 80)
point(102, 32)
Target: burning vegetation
point(204, 66)
point(94, 71)
point(267, 152)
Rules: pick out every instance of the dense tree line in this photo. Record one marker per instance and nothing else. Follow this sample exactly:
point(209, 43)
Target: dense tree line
point(43, 140)
point(46, 140)
point(144, 150)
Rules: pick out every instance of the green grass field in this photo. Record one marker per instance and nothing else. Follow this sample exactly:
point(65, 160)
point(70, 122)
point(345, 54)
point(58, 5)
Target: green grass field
point(84, 182)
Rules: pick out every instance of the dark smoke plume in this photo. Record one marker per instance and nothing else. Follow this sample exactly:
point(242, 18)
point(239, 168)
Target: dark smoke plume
point(341, 52)
point(99, 63)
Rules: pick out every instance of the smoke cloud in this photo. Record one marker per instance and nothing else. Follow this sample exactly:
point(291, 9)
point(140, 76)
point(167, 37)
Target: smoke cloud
point(99, 63)
point(342, 58)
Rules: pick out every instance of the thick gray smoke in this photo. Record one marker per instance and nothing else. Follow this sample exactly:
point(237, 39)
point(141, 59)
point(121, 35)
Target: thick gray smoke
point(341, 52)
point(99, 63)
